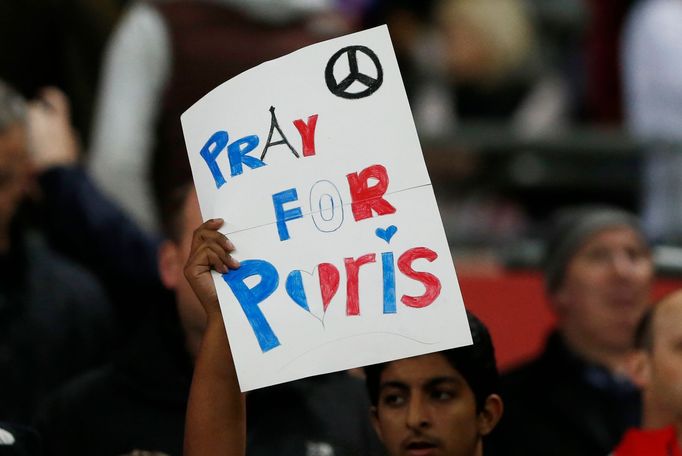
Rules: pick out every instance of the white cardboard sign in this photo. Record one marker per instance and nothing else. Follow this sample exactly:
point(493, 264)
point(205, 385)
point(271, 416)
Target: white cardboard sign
point(314, 163)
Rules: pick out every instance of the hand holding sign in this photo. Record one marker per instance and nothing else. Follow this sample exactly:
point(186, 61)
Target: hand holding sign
point(210, 250)
point(314, 160)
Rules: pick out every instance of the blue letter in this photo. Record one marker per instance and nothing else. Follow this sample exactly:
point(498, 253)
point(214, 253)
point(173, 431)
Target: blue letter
point(219, 141)
point(389, 282)
point(236, 153)
point(249, 298)
point(282, 215)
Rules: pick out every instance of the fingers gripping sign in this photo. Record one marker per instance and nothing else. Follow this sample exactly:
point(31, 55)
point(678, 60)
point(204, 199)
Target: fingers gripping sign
point(210, 250)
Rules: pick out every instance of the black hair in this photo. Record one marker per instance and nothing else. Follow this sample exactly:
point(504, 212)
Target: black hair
point(170, 210)
point(475, 363)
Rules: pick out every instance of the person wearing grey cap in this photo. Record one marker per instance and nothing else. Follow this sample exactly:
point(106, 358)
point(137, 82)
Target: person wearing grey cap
point(575, 399)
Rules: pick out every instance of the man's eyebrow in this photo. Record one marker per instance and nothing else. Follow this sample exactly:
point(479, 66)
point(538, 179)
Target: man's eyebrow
point(430, 383)
point(393, 384)
point(436, 381)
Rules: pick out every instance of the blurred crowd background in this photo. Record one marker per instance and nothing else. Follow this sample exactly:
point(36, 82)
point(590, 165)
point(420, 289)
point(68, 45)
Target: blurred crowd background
point(522, 106)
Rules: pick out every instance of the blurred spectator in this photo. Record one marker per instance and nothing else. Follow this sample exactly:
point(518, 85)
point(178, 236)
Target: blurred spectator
point(560, 27)
point(652, 57)
point(657, 370)
point(484, 67)
point(575, 398)
point(54, 318)
point(487, 48)
point(162, 58)
point(491, 61)
point(419, 51)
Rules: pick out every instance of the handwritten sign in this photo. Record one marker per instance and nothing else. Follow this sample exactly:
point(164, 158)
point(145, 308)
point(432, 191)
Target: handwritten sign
point(314, 162)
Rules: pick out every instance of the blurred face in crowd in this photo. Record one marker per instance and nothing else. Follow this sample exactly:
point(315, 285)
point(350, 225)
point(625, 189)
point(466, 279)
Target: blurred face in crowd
point(468, 53)
point(172, 258)
point(426, 408)
point(14, 171)
point(485, 41)
point(659, 371)
point(605, 291)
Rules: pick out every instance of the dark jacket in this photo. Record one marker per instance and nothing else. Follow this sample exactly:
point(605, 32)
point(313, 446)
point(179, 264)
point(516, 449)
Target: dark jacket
point(559, 404)
point(96, 233)
point(139, 403)
point(55, 322)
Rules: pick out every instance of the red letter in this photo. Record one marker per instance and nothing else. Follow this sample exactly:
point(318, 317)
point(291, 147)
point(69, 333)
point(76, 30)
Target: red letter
point(430, 281)
point(352, 268)
point(365, 198)
point(329, 282)
point(307, 133)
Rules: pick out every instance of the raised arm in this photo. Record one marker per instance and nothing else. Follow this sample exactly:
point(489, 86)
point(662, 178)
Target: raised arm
point(216, 414)
point(80, 220)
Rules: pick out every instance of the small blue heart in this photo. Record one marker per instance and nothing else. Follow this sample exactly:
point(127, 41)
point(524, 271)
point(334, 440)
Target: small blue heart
point(386, 234)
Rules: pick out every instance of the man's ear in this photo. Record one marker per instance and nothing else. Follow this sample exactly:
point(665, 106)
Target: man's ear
point(374, 416)
point(490, 415)
point(169, 267)
point(639, 368)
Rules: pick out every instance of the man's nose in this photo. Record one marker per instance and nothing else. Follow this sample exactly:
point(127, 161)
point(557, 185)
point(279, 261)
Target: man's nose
point(418, 416)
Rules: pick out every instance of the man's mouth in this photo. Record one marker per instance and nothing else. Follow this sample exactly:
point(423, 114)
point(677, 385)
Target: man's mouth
point(421, 448)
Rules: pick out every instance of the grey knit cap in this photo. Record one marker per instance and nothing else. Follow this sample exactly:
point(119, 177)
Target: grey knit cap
point(570, 230)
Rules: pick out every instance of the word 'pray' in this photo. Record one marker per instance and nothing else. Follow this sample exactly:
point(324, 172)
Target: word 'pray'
point(237, 150)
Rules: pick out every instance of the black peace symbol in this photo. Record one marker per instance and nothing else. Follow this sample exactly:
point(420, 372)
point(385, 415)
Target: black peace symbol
point(372, 84)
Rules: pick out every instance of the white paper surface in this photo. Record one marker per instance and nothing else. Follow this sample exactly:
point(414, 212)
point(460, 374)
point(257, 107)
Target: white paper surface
point(352, 133)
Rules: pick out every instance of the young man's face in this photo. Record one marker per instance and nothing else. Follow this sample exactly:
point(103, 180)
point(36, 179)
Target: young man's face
point(172, 258)
point(606, 289)
point(426, 408)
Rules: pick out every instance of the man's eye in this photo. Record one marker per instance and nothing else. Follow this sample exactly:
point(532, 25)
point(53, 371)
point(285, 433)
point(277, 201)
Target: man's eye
point(637, 254)
point(442, 395)
point(393, 400)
